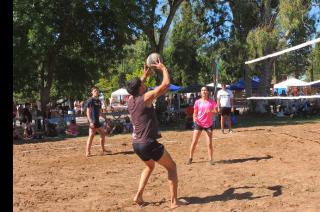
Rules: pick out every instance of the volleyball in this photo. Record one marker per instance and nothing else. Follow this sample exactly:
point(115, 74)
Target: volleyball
point(153, 58)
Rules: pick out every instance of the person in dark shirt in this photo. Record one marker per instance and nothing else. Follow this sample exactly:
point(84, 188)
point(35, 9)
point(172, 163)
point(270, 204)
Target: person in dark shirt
point(26, 114)
point(14, 111)
point(146, 131)
point(93, 114)
point(28, 132)
point(283, 93)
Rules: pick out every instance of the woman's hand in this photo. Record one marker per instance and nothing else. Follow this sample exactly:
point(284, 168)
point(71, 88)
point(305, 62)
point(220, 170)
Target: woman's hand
point(158, 65)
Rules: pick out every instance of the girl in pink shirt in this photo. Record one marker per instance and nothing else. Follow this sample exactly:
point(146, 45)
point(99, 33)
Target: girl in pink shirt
point(204, 108)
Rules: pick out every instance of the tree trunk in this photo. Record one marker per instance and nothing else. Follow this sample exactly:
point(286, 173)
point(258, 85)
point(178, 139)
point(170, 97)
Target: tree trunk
point(247, 81)
point(46, 82)
point(149, 29)
point(264, 88)
point(265, 81)
point(163, 33)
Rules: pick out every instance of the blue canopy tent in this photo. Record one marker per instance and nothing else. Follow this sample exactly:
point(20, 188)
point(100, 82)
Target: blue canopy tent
point(172, 88)
point(240, 85)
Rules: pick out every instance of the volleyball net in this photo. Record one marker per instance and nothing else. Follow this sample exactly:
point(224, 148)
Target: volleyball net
point(284, 51)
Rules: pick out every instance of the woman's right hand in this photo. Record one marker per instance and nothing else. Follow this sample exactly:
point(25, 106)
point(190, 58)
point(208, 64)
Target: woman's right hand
point(158, 65)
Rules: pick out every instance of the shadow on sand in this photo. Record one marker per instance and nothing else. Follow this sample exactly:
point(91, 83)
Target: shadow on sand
point(231, 194)
point(42, 140)
point(242, 160)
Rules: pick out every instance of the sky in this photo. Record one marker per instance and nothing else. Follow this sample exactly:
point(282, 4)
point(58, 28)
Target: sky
point(314, 11)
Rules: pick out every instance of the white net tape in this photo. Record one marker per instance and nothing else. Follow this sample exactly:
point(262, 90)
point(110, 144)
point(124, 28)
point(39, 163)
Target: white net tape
point(284, 51)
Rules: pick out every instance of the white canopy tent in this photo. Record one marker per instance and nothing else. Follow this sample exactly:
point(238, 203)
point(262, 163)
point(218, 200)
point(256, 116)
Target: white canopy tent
point(120, 92)
point(118, 95)
point(212, 85)
point(290, 82)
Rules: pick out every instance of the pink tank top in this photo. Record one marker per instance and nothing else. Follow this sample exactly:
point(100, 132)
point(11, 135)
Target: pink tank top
point(204, 117)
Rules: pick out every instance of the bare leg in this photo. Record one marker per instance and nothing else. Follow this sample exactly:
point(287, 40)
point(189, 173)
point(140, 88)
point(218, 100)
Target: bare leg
point(229, 121)
point(102, 139)
point(89, 141)
point(195, 139)
point(167, 162)
point(209, 144)
point(222, 122)
point(143, 181)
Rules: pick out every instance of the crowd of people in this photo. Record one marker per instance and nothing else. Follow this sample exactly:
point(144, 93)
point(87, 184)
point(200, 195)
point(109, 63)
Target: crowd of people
point(30, 123)
point(295, 107)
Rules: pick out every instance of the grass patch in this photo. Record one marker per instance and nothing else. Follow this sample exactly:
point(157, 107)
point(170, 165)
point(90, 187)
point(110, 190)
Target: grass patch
point(267, 120)
point(251, 120)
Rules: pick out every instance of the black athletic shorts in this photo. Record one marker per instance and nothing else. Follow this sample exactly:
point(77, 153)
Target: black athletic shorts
point(225, 111)
point(149, 151)
point(97, 125)
point(198, 127)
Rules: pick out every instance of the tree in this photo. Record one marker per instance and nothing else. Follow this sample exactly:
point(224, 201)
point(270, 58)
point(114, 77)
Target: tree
point(316, 62)
point(148, 21)
point(69, 43)
point(281, 23)
point(185, 42)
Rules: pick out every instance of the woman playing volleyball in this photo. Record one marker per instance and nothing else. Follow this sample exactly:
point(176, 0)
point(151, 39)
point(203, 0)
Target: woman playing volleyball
point(204, 108)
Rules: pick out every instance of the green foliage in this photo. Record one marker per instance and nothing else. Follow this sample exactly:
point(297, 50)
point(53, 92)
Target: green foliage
point(292, 13)
point(65, 47)
point(316, 62)
point(183, 49)
point(23, 97)
point(150, 82)
point(261, 42)
point(224, 72)
point(67, 43)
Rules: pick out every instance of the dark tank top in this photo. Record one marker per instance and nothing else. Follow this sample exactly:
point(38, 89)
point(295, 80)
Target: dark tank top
point(145, 123)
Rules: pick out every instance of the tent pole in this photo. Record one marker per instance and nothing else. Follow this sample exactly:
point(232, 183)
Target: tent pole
point(215, 80)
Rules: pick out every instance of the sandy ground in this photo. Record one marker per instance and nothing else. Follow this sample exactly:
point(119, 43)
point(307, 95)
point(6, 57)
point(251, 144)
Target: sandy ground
point(257, 169)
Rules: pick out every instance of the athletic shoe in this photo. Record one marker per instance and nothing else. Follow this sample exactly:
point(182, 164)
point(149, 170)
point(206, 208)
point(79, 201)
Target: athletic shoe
point(230, 131)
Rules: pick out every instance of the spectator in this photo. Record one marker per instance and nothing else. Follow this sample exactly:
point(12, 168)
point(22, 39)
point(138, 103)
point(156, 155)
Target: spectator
point(167, 102)
point(14, 111)
point(28, 131)
point(15, 134)
point(81, 107)
point(20, 110)
point(38, 117)
point(73, 128)
point(225, 106)
point(191, 100)
point(127, 125)
point(26, 116)
point(295, 91)
point(175, 102)
point(50, 129)
point(275, 93)
point(301, 93)
point(283, 93)
point(61, 126)
point(189, 117)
